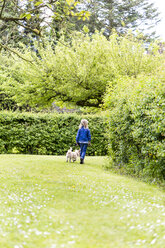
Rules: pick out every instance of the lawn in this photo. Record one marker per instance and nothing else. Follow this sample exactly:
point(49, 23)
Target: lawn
point(48, 203)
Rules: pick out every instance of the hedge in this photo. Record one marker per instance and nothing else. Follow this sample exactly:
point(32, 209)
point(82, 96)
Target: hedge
point(136, 127)
point(53, 134)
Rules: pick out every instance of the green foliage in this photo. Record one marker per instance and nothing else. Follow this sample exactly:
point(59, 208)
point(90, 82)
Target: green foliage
point(137, 125)
point(47, 133)
point(77, 71)
point(6, 101)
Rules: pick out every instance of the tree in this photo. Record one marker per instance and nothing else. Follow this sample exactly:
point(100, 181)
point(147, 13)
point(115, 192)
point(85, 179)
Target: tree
point(121, 16)
point(33, 17)
point(9, 33)
point(78, 71)
point(74, 73)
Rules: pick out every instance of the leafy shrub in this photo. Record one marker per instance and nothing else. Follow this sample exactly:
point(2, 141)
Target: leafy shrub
point(137, 126)
point(75, 71)
point(47, 133)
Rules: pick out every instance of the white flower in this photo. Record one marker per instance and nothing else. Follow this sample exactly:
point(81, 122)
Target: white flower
point(38, 232)
point(71, 242)
point(153, 241)
point(54, 246)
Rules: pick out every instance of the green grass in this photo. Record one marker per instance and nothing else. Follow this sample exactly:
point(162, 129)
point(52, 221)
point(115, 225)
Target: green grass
point(48, 203)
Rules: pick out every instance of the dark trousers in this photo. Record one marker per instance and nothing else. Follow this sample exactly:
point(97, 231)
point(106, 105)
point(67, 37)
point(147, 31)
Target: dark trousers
point(83, 149)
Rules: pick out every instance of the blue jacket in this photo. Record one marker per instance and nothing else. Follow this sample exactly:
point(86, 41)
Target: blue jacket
point(83, 135)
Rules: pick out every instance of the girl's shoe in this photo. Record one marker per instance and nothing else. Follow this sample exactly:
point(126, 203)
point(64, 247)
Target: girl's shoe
point(81, 160)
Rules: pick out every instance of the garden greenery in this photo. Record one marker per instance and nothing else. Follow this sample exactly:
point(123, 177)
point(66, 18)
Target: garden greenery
point(90, 70)
point(29, 133)
point(137, 125)
point(76, 71)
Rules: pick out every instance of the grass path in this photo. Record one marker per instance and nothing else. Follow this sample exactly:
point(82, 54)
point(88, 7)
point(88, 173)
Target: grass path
point(47, 203)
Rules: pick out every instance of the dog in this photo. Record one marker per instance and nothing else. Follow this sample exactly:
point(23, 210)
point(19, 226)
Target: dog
point(68, 155)
point(72, 155)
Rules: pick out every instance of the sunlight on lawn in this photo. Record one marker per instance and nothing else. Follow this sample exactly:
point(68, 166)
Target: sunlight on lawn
point(48, 203)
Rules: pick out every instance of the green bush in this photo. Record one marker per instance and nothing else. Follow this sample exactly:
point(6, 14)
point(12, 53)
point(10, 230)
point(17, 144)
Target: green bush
point(47, 133)
point(136, 129)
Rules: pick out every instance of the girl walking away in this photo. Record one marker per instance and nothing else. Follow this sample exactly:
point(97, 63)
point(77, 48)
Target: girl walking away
point(83, 139)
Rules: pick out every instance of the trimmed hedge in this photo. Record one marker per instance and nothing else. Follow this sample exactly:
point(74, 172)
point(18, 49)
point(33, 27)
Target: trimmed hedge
point(137, 127)
point(29, 133)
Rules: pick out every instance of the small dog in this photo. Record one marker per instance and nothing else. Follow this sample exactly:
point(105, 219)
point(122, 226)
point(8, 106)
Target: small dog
point(72, 155)
point(68, 155)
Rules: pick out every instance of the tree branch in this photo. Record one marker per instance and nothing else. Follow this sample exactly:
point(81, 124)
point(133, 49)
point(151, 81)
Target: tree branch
point(12, 19)
point(36, 8)
point(81, 103)
point(15, 52)
point(35, 31)
point(85, 102)
point(3, 6)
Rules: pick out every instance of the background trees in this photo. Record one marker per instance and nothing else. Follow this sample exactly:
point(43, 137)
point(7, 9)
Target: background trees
point(21, 19)
point(18, 19)
point(9, 32)
point(121, 15)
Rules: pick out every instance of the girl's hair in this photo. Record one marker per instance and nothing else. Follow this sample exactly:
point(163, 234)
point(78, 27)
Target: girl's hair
point(83, 123)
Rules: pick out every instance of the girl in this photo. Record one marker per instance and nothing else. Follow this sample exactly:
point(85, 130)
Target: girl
point(83, 139)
